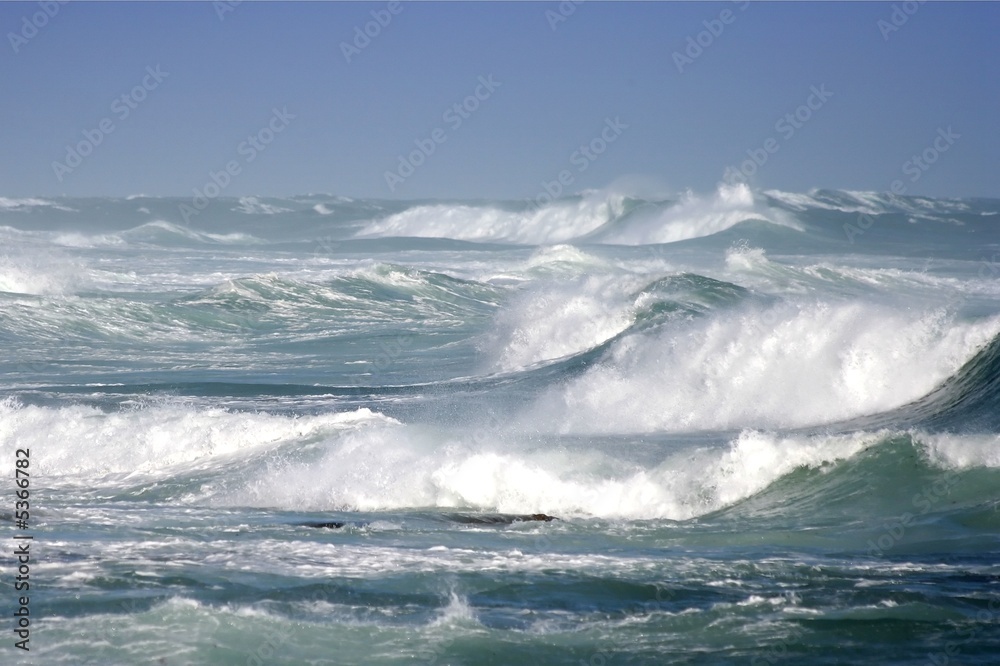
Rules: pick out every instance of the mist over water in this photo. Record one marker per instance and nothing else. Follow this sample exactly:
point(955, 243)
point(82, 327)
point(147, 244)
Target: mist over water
point(765, 421)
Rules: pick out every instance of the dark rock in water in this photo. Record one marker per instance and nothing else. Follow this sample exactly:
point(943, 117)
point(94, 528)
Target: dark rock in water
point(464, 518)
point(330, 525)
point(538, 517)
point(499, 518)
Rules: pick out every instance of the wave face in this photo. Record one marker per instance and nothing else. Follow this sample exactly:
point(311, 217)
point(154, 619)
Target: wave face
point(341, 418)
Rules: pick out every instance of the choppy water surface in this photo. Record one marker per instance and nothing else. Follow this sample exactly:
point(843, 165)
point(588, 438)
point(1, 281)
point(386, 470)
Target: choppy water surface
point(768, 424)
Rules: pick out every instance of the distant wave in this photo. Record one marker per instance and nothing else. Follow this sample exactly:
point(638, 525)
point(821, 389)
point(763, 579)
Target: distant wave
point(694, 216)
point(27, 204)
point(552, 223)
point(596, 217)
point(237, 308)
point(158, 232)
point(254, 206)
point(870, 203)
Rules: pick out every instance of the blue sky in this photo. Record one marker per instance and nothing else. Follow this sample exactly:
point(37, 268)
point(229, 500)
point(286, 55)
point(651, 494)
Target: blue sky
point(886, 96)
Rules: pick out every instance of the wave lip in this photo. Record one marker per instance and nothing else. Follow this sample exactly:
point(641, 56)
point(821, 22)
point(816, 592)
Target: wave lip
point(559, 321)
point(967, 401)
point(580, 315)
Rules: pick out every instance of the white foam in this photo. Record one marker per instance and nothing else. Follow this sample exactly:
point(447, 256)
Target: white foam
point(158, 226)
point(458, 612)
point(683, 486)
point(254, 206)
point(29, 203)
point(41, 274)
point(751, 267)
point(694, 216)
point(548, 260)
point(559, 320)
point(545, 262)
point(557, 222)
point(745, 258)
point(792, 364)
point(869, 203)
point(962, 451)
point(400, 467)
point(148, 232)
point(80, 240)
point(82, 441)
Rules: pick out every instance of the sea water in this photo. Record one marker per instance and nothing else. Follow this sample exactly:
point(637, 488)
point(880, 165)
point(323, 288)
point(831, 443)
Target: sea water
point(310, 430)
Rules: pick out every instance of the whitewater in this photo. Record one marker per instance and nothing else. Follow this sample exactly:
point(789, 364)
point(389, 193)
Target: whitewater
point(737, 427)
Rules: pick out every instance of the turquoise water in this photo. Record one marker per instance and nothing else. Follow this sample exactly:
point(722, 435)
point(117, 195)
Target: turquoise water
point(315, 430)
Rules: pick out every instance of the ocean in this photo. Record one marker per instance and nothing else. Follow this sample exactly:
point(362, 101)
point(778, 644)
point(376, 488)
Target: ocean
point(740, 427)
